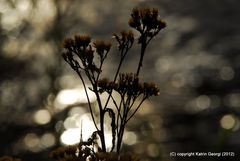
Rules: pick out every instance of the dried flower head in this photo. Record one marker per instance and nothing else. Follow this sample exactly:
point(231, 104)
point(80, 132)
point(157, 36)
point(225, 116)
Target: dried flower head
point(151, 89)
point(146, 21)
point(105, 85)
point(125, 39)
point(82, 40)
point(128, 84)
point(102, 47)
point(68, 43)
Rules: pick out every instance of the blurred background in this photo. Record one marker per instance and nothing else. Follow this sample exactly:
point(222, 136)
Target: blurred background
point(195, 61)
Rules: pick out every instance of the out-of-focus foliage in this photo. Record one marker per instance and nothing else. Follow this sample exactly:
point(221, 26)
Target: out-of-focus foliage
point(195, 62)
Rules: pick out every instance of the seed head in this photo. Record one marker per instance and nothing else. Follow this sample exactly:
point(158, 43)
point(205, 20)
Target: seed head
point(82, 40)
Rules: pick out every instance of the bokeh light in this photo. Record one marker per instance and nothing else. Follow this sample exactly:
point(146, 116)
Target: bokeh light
point(42, 117)
point(48, 140)
point(129, 138)
point(203, 102)
point(32, 141)
point(226, 73)
point(72, 96)
point(228, 122)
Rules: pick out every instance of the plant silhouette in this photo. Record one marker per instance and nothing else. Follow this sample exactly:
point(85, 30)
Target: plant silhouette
point(87, 57)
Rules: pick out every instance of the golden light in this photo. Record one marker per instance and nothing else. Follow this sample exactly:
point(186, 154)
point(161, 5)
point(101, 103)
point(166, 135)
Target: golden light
point(70, 136)
point(31, 140)
point(163, 65)
point(73, 126)
point(203, 102)
point(48, 140)
point(42, 117)
point(129, 138)
point(152, 150)
point(68, 97)
point(77, 111)
point(228, 122)
point(72, 96)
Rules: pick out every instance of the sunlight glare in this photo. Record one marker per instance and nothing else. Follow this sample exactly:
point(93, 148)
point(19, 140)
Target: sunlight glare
point(70, 136)
point(73, 126)
point(72, 96)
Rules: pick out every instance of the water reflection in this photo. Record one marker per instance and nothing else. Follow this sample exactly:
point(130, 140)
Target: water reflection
point(78, 123)
point(36, 143)
point(196, 65)
point(72, 96)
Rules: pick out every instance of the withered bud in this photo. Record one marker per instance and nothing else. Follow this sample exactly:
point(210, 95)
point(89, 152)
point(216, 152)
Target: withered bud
point(82, 40)
point(101, 46)
point(124, 39)
point(151, 89)
point(146, 16)
point(145, 12)
point(135, 13)
point(105, 85)
point(108, 46)
point(146, 20)
point(68, 43)
point(155, 12)
point(103, 82)
point(130, 36)
point(161, 24)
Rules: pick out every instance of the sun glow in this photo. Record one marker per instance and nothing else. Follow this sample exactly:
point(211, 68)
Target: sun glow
point(72, 96)
point(74, 124)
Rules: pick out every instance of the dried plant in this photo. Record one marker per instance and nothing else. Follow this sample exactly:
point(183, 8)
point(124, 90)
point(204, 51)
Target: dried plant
point(87, 57)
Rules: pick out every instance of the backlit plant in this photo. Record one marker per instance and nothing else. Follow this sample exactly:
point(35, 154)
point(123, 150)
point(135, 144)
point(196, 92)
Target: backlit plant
point(87, 57)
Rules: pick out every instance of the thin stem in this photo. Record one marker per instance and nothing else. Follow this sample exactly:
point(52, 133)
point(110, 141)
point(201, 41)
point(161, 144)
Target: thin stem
point(115, 103)
point(101, 64)
point(101, 111)
point(120, 135)
point(123, 122)
point(114, 80)
point(143, 48)
point(123, 55)
point(88, 100)
point(119, 113)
